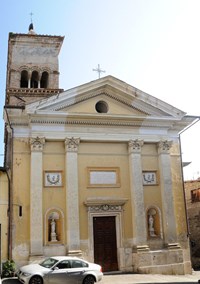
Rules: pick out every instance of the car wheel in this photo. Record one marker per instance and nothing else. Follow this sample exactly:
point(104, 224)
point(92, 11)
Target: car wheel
point(36, 280)
point(89, 280)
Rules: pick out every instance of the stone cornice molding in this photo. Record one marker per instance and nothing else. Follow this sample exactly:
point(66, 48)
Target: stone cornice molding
point(135, 146)
point(164, 146)
point(110, 121)
point(31, 91)
point(37, 144)
point(71, 144)
point(105, 204)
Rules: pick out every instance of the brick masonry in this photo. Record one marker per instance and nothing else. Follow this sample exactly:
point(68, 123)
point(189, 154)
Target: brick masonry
point(193, 210)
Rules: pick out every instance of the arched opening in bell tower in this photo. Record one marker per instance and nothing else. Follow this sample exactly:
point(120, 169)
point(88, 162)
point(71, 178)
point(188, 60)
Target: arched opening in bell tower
point(44, 80)
point(24, 79)
point(34, 79)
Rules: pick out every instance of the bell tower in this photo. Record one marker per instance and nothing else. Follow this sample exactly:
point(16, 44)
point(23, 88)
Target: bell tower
point(32, 67)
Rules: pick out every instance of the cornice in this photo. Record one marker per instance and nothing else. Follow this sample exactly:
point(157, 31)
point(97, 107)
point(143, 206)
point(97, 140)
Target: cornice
point(98, 122)
point(31, 91)
point(106, 120)
point(105, 200)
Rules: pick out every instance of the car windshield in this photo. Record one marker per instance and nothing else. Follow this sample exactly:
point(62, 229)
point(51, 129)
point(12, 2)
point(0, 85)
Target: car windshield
point(49, 262)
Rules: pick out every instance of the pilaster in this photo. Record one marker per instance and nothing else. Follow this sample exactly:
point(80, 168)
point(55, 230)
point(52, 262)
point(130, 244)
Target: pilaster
point(167, 193)
point(72, 195)
point(137, 194)
point(36, 216)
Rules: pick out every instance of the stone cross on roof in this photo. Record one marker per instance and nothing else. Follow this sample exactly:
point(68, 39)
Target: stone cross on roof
point(99, 71)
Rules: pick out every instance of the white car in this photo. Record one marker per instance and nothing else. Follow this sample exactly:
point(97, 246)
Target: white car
point(60, 270)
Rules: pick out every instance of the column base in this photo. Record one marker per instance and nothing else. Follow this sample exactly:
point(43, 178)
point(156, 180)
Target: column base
point(141, 248)
point(77, 253)
point(36, 258)
point(173, 246)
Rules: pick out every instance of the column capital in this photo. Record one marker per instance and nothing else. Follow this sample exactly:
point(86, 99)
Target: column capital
point(135, 146)
point(71, 144)
point(37, 144)
point(164, 146)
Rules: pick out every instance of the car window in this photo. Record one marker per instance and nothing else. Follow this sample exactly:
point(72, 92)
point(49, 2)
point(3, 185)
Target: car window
point(48, 262)
point(64, 264)
point(78, 263)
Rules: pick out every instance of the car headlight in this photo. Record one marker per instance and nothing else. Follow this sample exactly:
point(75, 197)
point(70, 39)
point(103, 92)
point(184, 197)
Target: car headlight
point(26, 274)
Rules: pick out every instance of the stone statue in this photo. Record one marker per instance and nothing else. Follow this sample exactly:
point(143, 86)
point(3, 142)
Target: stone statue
point(151, 226)
point(53, 230)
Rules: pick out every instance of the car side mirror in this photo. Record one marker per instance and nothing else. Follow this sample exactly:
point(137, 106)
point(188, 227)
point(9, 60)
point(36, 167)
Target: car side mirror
point(55, 268)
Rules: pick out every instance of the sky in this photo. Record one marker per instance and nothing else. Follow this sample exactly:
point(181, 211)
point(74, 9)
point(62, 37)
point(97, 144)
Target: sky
point(153, 45)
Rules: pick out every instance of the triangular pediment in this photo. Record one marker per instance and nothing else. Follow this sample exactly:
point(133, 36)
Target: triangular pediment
point(102, 103)
point(120, 98)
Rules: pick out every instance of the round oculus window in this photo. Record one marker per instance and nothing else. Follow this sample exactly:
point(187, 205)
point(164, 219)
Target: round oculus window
point(101, 107)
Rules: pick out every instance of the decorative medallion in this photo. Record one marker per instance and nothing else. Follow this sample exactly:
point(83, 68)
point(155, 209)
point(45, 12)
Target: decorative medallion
point(52, 179)
point(149, 178)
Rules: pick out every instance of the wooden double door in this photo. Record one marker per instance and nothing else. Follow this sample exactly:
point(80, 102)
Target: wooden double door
point(105, 244)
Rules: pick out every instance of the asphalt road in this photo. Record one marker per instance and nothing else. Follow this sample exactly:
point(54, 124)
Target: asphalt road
point(137, 279)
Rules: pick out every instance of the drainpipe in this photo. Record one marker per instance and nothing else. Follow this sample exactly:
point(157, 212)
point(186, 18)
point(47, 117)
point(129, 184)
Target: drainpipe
point(186, 213)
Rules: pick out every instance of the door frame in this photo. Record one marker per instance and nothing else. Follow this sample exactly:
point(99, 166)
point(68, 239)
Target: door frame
point(106, 210)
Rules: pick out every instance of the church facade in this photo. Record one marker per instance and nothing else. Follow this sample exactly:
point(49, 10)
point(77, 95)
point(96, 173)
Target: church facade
point(95, 171)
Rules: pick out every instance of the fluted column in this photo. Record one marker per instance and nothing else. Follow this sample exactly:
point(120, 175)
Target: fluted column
point(137, 195)
point(72, 194)
point(169, 222)
point(36, 186)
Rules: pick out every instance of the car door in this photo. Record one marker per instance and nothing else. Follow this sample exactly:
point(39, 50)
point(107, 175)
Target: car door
point(60, 274)
point(77, 272)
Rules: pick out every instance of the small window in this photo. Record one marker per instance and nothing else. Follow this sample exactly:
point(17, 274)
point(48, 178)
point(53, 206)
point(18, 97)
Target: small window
point(195, 195)
point(20, 211)
point(101, 107)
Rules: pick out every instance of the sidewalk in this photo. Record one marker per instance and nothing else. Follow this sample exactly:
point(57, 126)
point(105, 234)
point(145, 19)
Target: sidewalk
point(150, 278)
point(137, 278)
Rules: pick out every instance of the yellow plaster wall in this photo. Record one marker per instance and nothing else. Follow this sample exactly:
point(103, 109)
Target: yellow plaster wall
point(21, 197)
point(104, 155)
point(54, 160)
point(152, 193)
